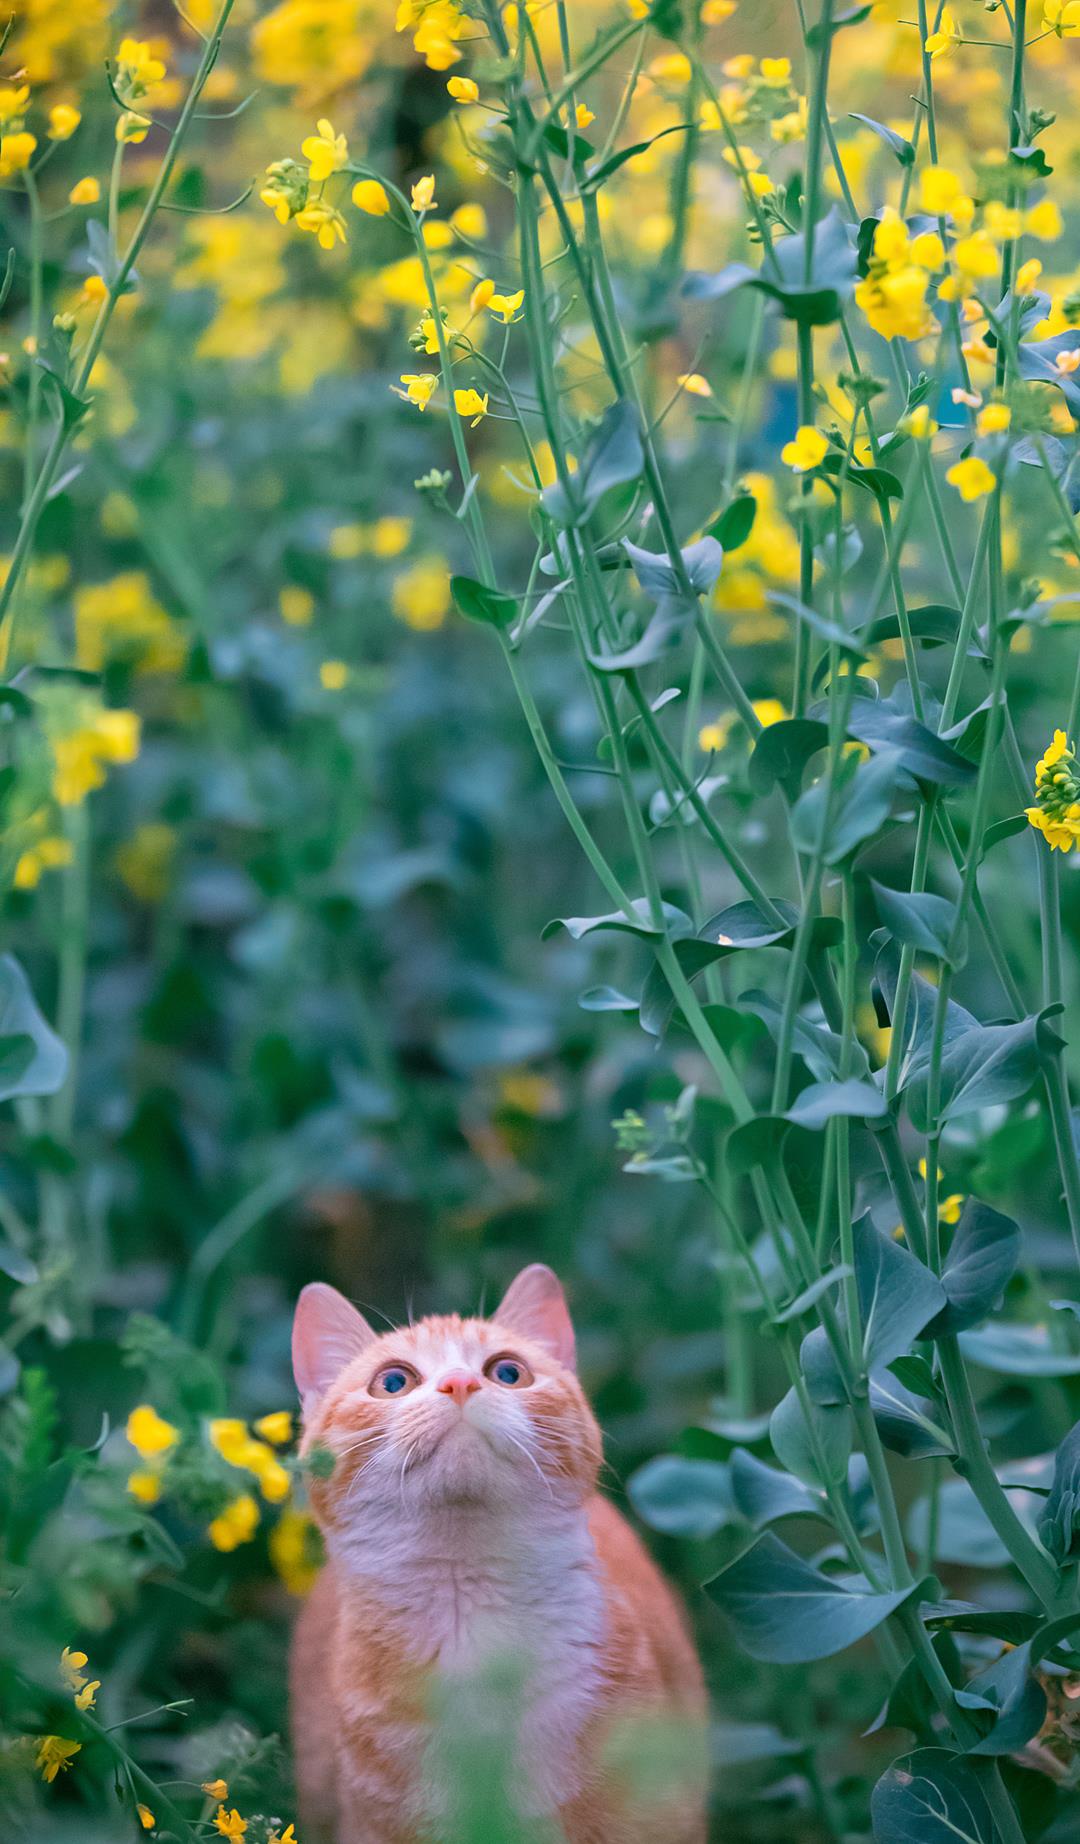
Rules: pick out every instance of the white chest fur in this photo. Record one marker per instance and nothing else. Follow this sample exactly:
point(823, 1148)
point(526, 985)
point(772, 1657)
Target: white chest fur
point(507, 1612)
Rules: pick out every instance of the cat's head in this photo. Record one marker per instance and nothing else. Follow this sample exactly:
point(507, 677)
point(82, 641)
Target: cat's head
point(448, 1411)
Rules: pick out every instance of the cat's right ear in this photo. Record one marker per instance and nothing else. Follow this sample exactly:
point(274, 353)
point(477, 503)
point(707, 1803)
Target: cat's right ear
point(327, 1334)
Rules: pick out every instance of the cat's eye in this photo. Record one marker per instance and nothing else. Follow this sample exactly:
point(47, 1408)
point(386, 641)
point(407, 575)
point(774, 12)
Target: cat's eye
point(511, 1372)
point(393, 1380)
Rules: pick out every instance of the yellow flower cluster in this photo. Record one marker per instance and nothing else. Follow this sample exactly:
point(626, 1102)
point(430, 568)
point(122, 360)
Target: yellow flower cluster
point(80, 753)
point(1056, 813)
point(153, 1439)
point(436, 26)
point(121, 619)
point(83, 1689)
point(893, 293)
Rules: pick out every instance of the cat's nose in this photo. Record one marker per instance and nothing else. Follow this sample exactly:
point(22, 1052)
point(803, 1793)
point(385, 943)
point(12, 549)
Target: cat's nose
point(460, 1384)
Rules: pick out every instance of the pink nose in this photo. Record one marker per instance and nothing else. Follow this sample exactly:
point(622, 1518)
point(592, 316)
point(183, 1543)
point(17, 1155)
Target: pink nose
point(458, 1383)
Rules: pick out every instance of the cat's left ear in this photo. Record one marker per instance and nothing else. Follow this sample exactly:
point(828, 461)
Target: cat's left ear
point(535, 1305)
point(328, 1333)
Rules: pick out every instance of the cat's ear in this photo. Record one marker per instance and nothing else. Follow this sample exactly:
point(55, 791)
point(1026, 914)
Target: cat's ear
point(535, 1305)
point(327, 1334)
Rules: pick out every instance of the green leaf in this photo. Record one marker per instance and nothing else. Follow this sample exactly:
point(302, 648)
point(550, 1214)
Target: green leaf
point(558, 140)
point(662, 634)
point(818, 302)
point(920, 920)
point(1059, 1524)
point(639, 922)
point(1019, 1351)
point(682, 1498)
point(931, 1797)
point(613, 457)
point(877, 480)
point(764, 1496)
point(822, 1102)
point(860, 806)
point(814, 1449)
point(820, 34)
point(741, 926)
point(903, 150)
point(934, 625)
point(1001, 830)
point(1017, 1703)
point(809, 1295)
point(785, 1612)
point(781, 753)
point(596, 175)
point(33, 1061)
point(733, 526)
point(981, 1262)
point(904, 1420)
point(924, 755)
point(980, 1068)
point(479, 603)
point(831, 631)
point(72, 409)
point(897, 1294)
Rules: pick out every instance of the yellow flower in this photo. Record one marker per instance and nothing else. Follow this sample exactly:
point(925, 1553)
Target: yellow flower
point(64, 118)
point(215, 1789)
point(418, 387)
point(149, 1434)
point(324, 221)
point(106, 736)
point(470, 403)
point(325, 152)
point(975, 256)
point(1057, 792)
point(423, 193)
point(583, 115)
point(144, 1487)
point(506, 307)
point(775, 72)
point(288, 1836)
point(85, 191)
point(235, 1525)
point(421, 594)
point(481, 295)
point(1027, 276)
point(971, 478)
point(137, 70)
point(146, 1817)
point(16, 152)
point(994, 419)
point(694, 384)
point(55, 1755)
point(939, 190)
point(470, 221)
point(1062, 17)
point(297, 605)
point(276, 1427)
point(231, 1440)
point(1044, 221)
point(368, 195)
point(82, 1688)
point(928, 250)
point(230, 1824)
point(920, 424)
point(295, 1551)
point(463, 89)
point(389, 537)
point(13, 103)
point(807, 450)
point(47, 855)
point(333, 674)
point(939, 43)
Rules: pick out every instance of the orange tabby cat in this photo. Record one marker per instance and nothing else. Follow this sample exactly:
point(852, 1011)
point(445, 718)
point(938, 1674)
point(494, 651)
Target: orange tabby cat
point(477, 1585)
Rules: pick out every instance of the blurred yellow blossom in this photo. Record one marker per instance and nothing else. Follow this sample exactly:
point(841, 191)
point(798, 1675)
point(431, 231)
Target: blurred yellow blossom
point(85, 191)
point(296, 1550)
point(64, 118)
point(806, 450)
point(235, 1525)
point(971, 478)
point(333, 674)
point(148, 1432)
point(421, 594)
point(368, 195)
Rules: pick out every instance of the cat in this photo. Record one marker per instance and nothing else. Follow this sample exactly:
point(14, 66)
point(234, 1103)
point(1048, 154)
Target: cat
point(478, 1591)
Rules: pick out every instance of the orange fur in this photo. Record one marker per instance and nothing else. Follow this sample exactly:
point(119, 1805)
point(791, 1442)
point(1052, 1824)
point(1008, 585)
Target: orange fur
point(483, 1609)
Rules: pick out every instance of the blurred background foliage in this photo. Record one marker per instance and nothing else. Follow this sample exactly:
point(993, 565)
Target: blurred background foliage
point(293, 939)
